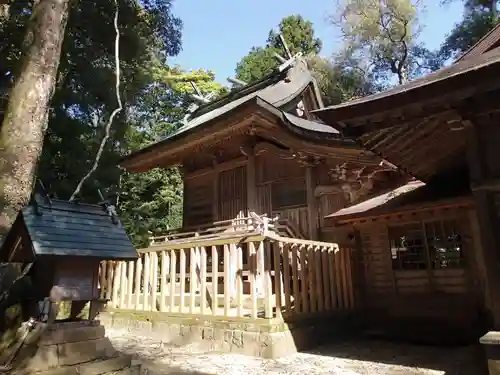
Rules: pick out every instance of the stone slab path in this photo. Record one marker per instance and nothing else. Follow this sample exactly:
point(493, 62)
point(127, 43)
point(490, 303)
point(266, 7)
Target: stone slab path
point(348, 358)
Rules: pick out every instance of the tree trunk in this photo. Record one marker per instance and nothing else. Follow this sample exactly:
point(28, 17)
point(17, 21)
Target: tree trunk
point(26, 116)
point(4, 11)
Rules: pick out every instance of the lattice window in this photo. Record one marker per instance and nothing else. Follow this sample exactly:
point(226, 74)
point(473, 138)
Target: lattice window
point(445, 244)
point(407, 247)
point(435, 245)
point(288, 193)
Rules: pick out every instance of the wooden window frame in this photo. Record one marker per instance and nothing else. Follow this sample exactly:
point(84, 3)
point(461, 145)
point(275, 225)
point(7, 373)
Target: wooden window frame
point(287, 182)
point(432, 246)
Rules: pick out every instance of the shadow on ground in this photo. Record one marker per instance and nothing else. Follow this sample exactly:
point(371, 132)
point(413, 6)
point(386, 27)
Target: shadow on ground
point(360, 356)
point(161, 369)
point(457, 360)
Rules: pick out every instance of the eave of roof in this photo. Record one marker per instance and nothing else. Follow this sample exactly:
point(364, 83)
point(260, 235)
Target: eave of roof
point(479, 68)
point(274, 89)
point(411, 197)
point(62, 228)
point(489, 41)
point(364, 207)
point(311, 130)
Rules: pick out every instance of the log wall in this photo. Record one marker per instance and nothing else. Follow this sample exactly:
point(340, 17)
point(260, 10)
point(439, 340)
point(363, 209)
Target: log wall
point(432, 287)
point(268, 183)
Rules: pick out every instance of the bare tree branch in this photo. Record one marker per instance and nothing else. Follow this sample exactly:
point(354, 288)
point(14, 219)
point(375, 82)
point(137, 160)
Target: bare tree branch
point(113, 114)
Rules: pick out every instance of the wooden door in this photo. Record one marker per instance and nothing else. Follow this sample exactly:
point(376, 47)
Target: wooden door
point(232, 194)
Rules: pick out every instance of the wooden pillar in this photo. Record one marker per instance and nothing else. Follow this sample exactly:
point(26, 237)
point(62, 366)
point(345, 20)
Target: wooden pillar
point(486, 231)
point(311, 204)
point(251, 196)
point(215, 200)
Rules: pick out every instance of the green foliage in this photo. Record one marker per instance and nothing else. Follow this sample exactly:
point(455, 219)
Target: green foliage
point(478, 19)
point(180, 80)
point(384, 35)
point(85, 97)
point(298, 34)
point(151, 202)
point(154, 95)
point(340, 81)
point(260, 61)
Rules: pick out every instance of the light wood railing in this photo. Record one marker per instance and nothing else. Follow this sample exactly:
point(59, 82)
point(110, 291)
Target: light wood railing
point(255, 273)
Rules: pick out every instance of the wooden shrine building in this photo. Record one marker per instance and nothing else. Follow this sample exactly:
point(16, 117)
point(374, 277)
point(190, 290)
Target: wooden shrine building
point(443, 130)
point(258, 150)
point(60, 245)
point(259, 176)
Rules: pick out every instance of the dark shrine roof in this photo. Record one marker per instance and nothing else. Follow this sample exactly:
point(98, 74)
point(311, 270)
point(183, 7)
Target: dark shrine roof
point(489, 41)
point(424, 88)
point(62, 228)
point(278, 89)
point(414, 195)
point(274, 93)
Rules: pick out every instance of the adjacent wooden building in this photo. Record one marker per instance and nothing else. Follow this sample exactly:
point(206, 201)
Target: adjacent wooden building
point(432, 251)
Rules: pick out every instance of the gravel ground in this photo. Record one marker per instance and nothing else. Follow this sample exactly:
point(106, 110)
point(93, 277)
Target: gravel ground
point(349, 358)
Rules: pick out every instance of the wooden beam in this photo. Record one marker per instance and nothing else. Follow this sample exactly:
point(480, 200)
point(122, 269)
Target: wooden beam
point(251, 185)
point(486, 184)
point(221, 167)
point(176, 151)
point(16, 246)
point(466, 202)
point(215, 192)
point(311, 204)
point(489, 238)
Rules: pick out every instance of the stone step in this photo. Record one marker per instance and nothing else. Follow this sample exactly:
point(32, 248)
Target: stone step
point(46, 357)
point(121, 364)
point(63, 336)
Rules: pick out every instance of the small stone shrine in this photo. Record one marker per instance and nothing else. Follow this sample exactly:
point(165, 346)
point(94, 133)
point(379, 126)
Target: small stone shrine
point(59, 245)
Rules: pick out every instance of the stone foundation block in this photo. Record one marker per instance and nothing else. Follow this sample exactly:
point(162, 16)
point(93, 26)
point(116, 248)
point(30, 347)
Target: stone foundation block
point(84, 351)
point(491, 343)
point(254, 337)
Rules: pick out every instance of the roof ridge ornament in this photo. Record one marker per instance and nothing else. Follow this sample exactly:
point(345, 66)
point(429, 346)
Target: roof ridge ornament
point(200, 98)
point(236, 81)
point(45, 193)
point(108, 208)
point(290, 59)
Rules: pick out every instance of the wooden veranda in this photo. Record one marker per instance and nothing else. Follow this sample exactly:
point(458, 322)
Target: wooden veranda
point(259, 273)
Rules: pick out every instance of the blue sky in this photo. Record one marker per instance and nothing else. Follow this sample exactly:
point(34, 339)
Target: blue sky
point(218, 33)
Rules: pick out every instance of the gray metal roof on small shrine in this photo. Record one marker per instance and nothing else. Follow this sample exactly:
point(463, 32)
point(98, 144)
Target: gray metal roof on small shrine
point(63, 228)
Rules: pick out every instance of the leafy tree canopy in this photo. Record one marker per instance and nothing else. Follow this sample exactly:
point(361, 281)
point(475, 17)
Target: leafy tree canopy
point(260, 61)
point(479, 17)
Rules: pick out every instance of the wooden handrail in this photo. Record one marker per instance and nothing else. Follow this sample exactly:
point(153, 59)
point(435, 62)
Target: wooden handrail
point(233, 238)
point(229, 238)
point(246, 225)
point(290, 228)
point(215, 274)
point(298, 241)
